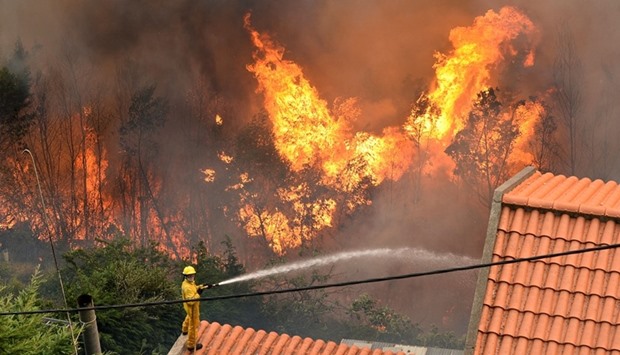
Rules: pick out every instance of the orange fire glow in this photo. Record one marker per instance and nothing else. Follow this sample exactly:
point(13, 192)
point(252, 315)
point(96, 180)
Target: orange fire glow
point(527, 116)
point(310, 133)
point(478, 50)
point(306, 132)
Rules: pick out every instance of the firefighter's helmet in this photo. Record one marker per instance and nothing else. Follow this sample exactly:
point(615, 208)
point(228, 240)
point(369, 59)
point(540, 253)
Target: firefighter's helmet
point(189, 270)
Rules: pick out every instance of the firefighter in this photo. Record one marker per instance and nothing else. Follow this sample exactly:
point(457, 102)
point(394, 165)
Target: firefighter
point(191, 291)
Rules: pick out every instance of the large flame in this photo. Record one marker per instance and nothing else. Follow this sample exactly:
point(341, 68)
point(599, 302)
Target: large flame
point(310, 134)
point(307, 132)
point(303, 125)
point(478, 51)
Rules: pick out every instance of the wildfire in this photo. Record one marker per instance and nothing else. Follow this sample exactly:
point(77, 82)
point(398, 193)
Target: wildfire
point(478, 50)
point(219, 120)
point(527, 115)
point(274, 227)
point(281, 232)
point(209, 175)
point(308, 133)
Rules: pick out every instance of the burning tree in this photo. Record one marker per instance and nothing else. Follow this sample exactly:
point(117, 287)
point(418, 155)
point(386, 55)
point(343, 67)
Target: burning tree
point(146, 115)
point(420, 126)
point(543, 143)
point(294, 175)
point(481, 150)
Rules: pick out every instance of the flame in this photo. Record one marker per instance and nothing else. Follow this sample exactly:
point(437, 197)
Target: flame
point(478, 50)
point(527, 115)
point(94, 166)
point(303, 126)
point(274, 227)
point(219, 120)
point(225, 158)
point(209, 175)
point(306, 132)
point(281, 232)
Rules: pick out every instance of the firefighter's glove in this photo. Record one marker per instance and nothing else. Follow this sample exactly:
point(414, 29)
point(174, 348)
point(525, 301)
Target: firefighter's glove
point(200, 289)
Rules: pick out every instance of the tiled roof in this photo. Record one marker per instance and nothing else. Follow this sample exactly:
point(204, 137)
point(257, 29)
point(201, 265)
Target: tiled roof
point(220, 339)
point(562, 305)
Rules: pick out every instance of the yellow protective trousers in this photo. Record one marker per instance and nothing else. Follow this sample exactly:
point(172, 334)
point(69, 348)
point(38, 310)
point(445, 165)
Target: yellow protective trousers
point(191, 322)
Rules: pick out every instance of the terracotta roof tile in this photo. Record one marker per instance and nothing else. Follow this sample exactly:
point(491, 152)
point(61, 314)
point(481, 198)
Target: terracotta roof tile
point(568, 304)
point(225, 339)
point(232, 339)
point(292, 345)
point(282, 341)
point(342, 349)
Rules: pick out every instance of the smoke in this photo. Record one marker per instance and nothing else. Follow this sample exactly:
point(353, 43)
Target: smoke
point(378, 51)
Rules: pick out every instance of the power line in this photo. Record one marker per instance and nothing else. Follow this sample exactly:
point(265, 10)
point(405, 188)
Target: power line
point(44, 213)
point(325, 286)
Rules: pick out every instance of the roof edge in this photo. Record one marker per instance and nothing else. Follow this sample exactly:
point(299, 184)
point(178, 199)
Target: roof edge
point(487, 253)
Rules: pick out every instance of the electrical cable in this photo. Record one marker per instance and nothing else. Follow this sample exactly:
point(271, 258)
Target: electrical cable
point(325, 286)
point(44, 213)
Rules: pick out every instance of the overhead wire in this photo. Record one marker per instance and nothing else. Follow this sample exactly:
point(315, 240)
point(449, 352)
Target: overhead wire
point(324, 286)
point(45, 221)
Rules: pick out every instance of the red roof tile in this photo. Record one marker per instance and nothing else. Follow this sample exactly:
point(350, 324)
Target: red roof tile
point(568, 304)
point(224, 339)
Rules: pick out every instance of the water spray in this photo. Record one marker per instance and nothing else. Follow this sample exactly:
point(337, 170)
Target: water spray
point(406, 254)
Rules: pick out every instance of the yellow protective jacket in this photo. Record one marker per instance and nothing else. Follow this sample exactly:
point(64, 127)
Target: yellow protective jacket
point(189, 291)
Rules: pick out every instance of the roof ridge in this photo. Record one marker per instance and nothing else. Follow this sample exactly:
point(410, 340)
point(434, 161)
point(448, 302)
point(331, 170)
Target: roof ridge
point(566, 194)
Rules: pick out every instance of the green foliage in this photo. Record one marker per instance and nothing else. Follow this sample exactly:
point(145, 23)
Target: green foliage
point(118, 273)
point(372, 321)
point(306, 313)
point(14, 98)
point(30, 334)
point(212, 269)
point(438, 339)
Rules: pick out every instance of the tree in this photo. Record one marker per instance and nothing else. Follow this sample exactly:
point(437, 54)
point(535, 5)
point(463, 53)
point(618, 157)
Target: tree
point(381, 323)
point(217, 268)
point(544, 144)
point(447, 340)
point(567, 77)
point(119, 273)
point(307, 313)
point(14, 99)
point(147, 114)
point(420, 126)
point(30, 334)
point(481, 149)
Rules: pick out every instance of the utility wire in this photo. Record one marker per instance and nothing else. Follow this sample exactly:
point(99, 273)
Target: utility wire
point(325, 286)
point(44, 213)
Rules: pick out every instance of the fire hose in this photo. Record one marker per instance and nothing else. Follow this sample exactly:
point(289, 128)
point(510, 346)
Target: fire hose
point(205, 287)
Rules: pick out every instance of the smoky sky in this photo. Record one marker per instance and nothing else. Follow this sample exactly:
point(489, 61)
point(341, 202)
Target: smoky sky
point(378, 51)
